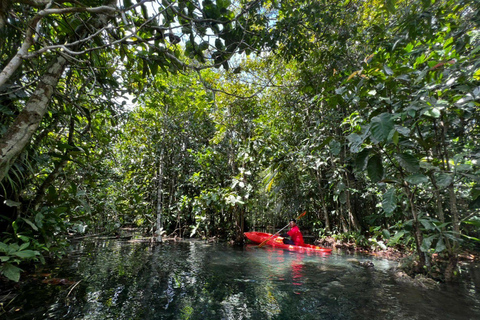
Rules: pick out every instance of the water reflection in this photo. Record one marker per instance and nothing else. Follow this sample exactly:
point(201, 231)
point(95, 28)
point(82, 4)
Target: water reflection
point(195, 280)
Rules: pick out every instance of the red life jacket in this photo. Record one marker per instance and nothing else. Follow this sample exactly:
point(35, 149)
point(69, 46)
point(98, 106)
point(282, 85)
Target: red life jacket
point(296, 235)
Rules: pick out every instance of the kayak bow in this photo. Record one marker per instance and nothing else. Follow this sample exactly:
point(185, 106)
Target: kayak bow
point(277, 242)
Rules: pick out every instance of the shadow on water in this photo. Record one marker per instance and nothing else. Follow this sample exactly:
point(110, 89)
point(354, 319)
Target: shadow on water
point(195, 280)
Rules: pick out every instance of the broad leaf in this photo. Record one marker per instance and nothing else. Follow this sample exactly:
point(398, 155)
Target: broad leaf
point(427, 243)
point(443, 179)
point(408, 162)
point(25, 254)
point(381, 127)
point(389, 202)
point(355, 141)
point(417, 178)
point(361, 159)
point(427, 224)
point(11, 272)
point(386, 234)
point(440, 245)
point(375, 168)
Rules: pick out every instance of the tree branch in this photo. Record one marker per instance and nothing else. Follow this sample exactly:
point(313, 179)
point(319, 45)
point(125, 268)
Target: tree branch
point(22, 53)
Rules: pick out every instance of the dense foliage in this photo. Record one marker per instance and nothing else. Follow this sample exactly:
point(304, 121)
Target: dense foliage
point(205, 118)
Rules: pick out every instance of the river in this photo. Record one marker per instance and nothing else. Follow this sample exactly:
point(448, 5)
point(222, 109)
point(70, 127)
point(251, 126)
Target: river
point(113, 279)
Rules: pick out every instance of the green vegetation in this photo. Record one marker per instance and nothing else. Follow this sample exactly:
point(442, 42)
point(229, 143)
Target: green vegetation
point(200, 118)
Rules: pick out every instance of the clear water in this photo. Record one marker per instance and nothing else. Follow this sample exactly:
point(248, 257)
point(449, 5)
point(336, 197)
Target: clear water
point(196, 280)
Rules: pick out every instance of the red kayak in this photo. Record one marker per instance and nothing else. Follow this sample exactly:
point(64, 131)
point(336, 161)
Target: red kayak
point(277, 242)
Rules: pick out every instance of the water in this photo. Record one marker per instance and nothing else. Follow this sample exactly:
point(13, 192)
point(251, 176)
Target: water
point(196, 280)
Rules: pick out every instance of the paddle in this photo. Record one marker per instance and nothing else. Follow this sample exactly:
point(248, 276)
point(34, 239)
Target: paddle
point(265, 241)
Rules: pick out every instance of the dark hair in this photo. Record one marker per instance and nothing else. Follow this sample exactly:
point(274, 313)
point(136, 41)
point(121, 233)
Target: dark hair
point(293, 220)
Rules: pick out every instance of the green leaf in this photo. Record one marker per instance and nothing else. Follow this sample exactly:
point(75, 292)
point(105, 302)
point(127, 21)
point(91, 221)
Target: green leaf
point(440, 245)
point(381, 127)
point(463, 167)
point(386, 234)
point(471, 238)
point(389, 202)
point(408, 162)
point(361, 159)
point(427, 243)
point(335, 147)
point(396, 137)
point(443, 179)
point(396, 237)
point(24, 246)
point(203, 46)
point(355, 142)
point(3, 247)
point(12, 203)
point(390, 5)
point(417, 178)
point(11, 272)
point(375, 168)
point(475, 223)
point(433, 112)
point(26, 254)
point(223, 4)
point(427, 224)
point(31, 224)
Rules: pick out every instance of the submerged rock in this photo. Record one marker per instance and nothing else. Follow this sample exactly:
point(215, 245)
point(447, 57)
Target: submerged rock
point(366, 264)
point(420, 280)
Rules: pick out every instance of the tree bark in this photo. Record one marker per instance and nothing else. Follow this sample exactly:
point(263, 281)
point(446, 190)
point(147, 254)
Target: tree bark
point(21, 131)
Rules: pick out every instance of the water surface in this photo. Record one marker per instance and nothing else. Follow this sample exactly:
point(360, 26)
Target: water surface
point(197, 280)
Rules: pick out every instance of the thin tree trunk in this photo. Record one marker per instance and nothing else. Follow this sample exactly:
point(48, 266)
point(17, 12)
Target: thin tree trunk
point(452, 254)
point(159, 198)
point(416, 226)
point(323, 201)
point(351, 216)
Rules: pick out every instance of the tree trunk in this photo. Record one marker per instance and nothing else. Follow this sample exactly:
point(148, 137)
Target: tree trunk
point(351, 216)
point(416, 226)
point(323, 201)
point(159, 199)
point(21, 131)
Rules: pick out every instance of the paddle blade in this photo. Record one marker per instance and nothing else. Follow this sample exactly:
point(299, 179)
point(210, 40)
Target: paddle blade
point(304, 213)
point(265, 241)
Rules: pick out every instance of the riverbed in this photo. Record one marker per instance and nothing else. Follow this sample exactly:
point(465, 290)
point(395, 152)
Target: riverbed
point(114, 279)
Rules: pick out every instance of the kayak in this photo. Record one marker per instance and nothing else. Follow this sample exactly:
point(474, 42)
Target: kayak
point(277, 242)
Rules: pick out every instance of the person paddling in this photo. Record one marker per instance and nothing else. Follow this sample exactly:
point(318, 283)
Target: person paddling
point(294, 233)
